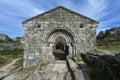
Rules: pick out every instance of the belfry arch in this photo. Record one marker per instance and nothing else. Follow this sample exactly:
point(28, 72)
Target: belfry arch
point(60, 44)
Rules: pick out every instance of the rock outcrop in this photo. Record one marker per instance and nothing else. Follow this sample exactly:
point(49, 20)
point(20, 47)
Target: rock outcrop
point(11, 44)
point(113, 33)
point(110, 64)
point(4, 37)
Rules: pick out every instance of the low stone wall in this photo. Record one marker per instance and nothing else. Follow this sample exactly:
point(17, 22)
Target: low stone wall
point(76, 72)
point(109, 63)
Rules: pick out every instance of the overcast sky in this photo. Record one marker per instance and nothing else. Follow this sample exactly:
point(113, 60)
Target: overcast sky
point(13, 12)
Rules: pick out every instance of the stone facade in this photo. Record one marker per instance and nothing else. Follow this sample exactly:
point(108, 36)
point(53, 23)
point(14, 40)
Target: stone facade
point(59, 28)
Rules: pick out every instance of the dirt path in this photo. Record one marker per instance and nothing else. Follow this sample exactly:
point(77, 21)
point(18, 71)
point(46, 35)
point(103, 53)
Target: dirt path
point(6, 70)
point(9, 66)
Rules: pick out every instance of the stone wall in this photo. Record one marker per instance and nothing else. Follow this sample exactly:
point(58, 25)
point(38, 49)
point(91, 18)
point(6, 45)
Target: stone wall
point(39, 28)
point(110, 64)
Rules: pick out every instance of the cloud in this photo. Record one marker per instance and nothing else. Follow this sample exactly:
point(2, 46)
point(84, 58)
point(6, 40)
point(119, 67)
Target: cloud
point(13, 12)
point(104, 11)
point(21, 6)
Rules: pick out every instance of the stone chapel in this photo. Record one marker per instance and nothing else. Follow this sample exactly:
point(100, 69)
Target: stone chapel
point(57, 34)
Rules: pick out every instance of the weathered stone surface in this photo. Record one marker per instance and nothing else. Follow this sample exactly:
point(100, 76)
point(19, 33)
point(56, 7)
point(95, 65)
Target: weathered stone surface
point(58, 71)
point(75, 32)
point(53, 71)
point(111, 34)
point(4, 37)
point(109, 63)
point(118, 55)
point(76, 72)
point(68, 76)
point(11, 45)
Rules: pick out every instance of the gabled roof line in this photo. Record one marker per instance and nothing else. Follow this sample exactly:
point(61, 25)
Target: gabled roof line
point(56, 8)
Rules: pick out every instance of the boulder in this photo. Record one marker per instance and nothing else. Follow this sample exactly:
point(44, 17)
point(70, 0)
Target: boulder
point(113, 33)
point(4, 37)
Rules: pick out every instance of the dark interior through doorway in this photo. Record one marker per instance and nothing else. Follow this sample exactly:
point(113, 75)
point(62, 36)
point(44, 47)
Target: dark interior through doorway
point(61, 49)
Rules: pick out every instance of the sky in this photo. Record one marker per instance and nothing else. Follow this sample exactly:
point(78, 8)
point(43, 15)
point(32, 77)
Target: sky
point(13, 12)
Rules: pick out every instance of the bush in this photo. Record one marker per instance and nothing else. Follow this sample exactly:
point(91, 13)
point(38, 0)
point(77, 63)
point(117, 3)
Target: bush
point(7, 56)
point(12, 53)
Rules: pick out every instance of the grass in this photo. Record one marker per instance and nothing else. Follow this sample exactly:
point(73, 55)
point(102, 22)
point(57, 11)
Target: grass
point(16, 53)
point(111, 48)
point(9, 41)
point(7, 56)
point(4, 60)
point(18, 64)
point(109, 45)
point(43, 66)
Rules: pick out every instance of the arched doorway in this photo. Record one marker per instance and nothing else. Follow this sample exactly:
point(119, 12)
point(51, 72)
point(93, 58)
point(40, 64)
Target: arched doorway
point(60, 44)
point(61, 50)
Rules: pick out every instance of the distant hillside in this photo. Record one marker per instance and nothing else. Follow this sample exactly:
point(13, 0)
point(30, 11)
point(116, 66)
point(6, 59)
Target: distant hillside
point(111, 34)
point(10, 44)
point(109, 39)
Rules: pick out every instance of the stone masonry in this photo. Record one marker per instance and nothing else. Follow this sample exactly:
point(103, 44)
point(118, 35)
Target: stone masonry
point(57, 30)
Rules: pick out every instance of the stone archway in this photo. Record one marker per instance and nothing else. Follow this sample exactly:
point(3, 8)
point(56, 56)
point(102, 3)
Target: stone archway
point(60, 44)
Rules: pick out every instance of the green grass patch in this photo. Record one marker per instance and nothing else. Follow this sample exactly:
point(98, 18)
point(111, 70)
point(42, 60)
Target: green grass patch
point(7, 56)
point(16, 53)
point(111, 48)
point(3, 60)
point(109, 45)
point(9, 41)
point(43, 66)
point(18, 64)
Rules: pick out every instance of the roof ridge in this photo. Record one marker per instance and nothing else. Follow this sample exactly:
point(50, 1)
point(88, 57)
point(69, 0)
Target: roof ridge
point(57, 8)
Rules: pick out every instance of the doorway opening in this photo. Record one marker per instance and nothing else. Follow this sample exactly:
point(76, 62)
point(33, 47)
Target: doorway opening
point(60, 49)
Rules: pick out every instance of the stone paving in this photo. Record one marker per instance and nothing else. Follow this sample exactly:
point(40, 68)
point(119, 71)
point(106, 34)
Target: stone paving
point(60, 70)
point(56, 71)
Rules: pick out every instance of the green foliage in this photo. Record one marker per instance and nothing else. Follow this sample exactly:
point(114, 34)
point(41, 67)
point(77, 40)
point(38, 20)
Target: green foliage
point(18, 64)
point(107, 42)
point(111, 48)
point(109, 45)
point(10, 41)
point(7, 56)
point(12, 53)
point(1, 41)
point(2, 60)
point(100, 43)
